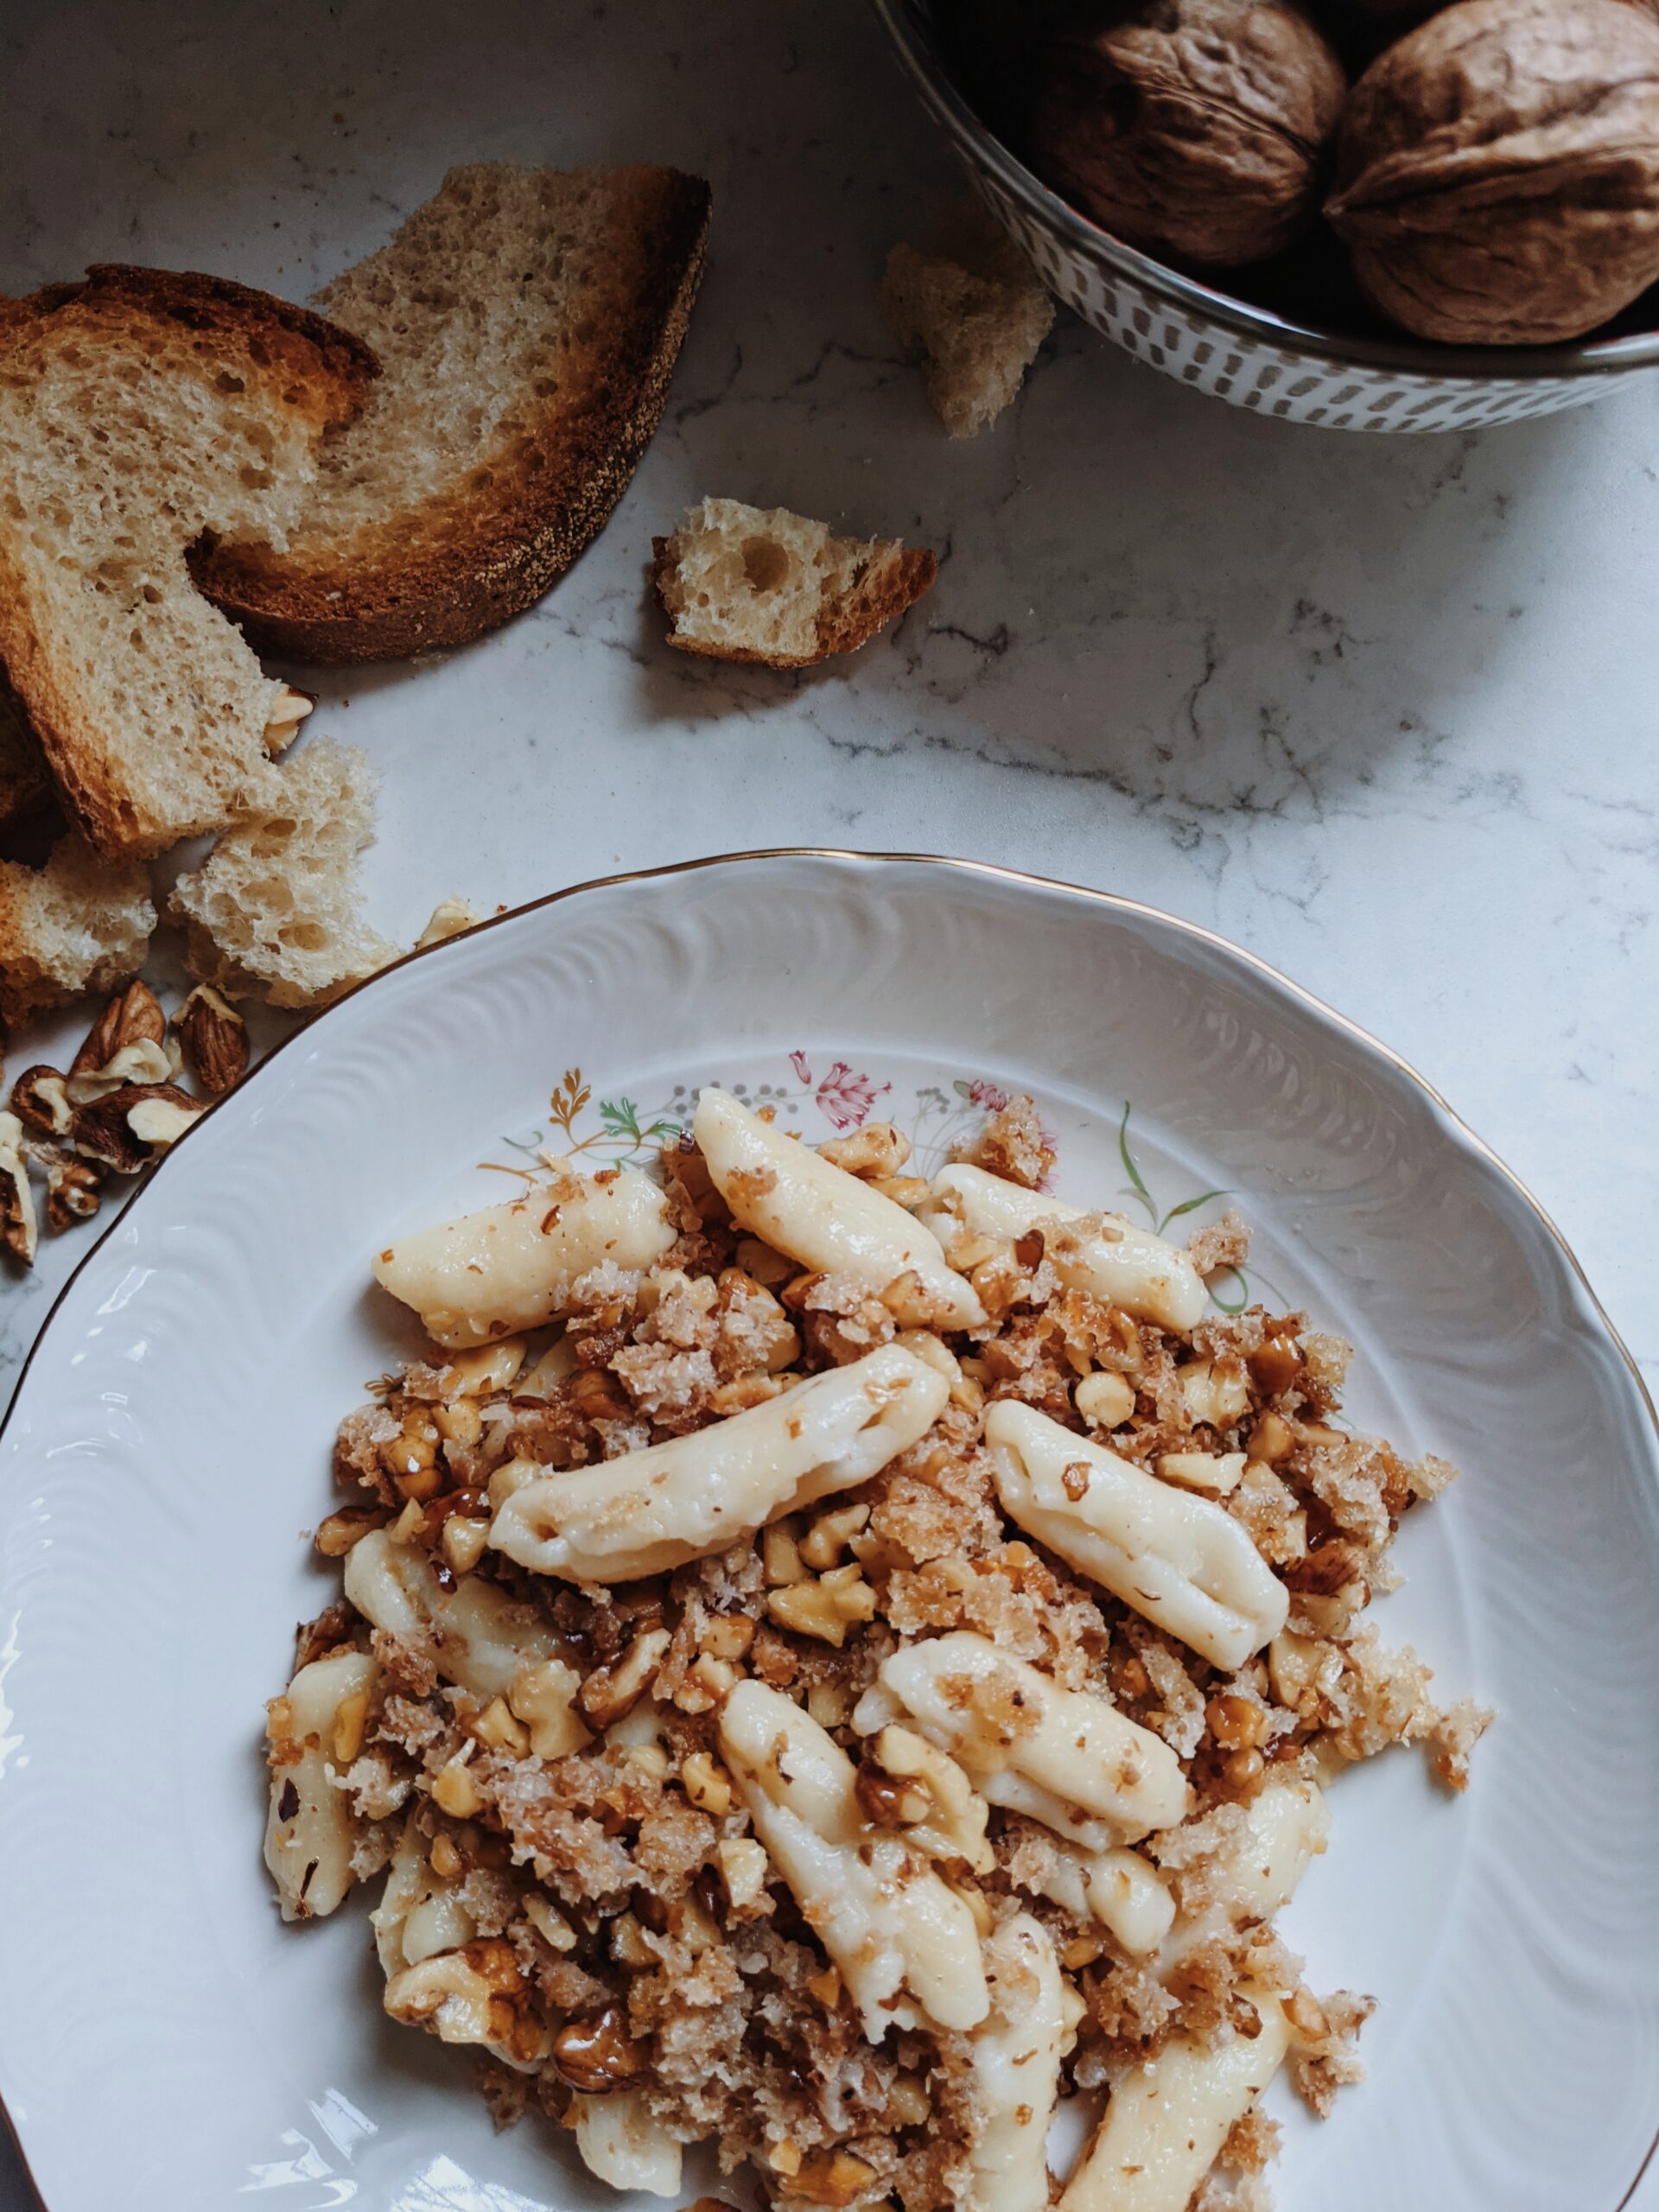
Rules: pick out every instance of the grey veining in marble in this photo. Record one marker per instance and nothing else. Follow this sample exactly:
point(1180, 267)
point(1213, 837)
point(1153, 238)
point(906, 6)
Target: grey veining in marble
point(1384, 711)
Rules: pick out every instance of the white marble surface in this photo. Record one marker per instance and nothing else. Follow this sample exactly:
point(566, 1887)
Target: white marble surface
point(1382, 711)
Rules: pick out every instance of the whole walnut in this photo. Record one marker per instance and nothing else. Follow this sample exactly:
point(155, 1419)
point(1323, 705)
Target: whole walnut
point(1497, 171)
point(1194, 127)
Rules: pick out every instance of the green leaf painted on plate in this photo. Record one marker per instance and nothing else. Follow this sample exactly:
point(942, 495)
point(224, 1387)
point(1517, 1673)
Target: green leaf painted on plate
point(1190, 1205)
point(1131, 1170)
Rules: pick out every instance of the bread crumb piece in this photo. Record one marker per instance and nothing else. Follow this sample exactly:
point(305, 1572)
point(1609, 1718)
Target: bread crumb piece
point(1013, 1144)
point(273, 909)
point(774, 588)
point(77, 925)
point(972, 308)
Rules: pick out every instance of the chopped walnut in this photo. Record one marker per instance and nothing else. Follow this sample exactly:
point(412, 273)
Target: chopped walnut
point(19, 1229)
point(214, 1039)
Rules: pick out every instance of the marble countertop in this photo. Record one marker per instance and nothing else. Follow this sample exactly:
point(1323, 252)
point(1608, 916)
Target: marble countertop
point(1382, 710)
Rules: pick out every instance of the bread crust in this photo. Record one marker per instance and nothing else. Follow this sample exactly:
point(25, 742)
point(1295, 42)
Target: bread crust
point(491, 553)
point(330, 367)
point(881, 594)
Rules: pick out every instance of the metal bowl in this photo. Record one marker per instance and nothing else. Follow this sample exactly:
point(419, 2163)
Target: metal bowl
point(1245, 354)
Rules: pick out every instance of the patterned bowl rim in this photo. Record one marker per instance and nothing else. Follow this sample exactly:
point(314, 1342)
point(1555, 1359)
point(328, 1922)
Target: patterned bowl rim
point(1491, 363)
point(1456, 1127)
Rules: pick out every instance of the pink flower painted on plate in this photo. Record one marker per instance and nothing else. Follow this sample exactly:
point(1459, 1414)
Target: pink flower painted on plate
point(987, 1095)
point(798, 1061)
point(843, 1098)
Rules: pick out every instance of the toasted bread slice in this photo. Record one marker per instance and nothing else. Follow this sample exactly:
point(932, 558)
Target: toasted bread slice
point(972, 308)
point(762, 585)
point(77, 925)
point(273, 910)
point(528, 321)
point(138, 410)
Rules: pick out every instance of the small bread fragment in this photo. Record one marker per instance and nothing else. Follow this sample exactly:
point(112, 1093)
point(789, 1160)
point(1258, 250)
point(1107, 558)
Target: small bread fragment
point(273, 910)
point(138, 410)
point(766, 586)
point(969, 306)
point(528, 322)
point(77, 925)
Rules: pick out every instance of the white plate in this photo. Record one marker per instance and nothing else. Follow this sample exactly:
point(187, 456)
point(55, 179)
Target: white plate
point(164, 2043)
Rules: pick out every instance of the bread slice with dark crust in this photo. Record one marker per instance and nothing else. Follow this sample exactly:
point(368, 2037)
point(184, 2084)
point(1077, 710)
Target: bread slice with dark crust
point(528, 321)
point(777, 589)
point(137, 409)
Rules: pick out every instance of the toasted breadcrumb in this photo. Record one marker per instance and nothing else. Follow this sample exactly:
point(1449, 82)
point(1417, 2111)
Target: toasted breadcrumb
point(1323, 2064)
point(1012, 1143)
point(1223, 1243)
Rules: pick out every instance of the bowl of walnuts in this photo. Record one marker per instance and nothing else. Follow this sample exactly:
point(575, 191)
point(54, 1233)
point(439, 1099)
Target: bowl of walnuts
point(1366, 214)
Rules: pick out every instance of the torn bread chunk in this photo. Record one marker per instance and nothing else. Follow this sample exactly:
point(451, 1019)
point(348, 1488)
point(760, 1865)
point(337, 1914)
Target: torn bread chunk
point(968, 305)
point(272, 911)
point(139, 411)
point(513, 1266)
point(77, 925)
point(766, 586)
point(527, 321)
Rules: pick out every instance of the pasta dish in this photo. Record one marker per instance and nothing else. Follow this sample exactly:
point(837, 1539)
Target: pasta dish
point(832, 1663)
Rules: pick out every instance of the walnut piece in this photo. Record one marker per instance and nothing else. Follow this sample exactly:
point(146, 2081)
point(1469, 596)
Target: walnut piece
point(40, 1099)
point(19, 1230)
point(126, 1127)
point(1497, 171)
point(215, 1040)
point(127, 1044)
point(73, 1186)
point(1192, 127)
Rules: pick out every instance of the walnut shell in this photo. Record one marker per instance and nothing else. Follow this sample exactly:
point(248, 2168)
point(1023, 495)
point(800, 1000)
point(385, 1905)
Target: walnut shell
point(1194, 127)
point(1497, 171)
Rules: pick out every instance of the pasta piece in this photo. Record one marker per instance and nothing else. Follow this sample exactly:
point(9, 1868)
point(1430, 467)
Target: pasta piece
point(1179, 1560)
point(419, 1914)
point(1167, 2119)
point(623, 2143)
point(820, 1216)
point(481, 1639)
point(1120, 1889)
point(512, 1267)
point(309, 1830)
point(888, 1922)
point(440, 1976)
point(1284, 1829)
point(1015, 2083)
point(1130, 1899)
point(1105, 1255)
point(654, 1510)
point(1061, 1757)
